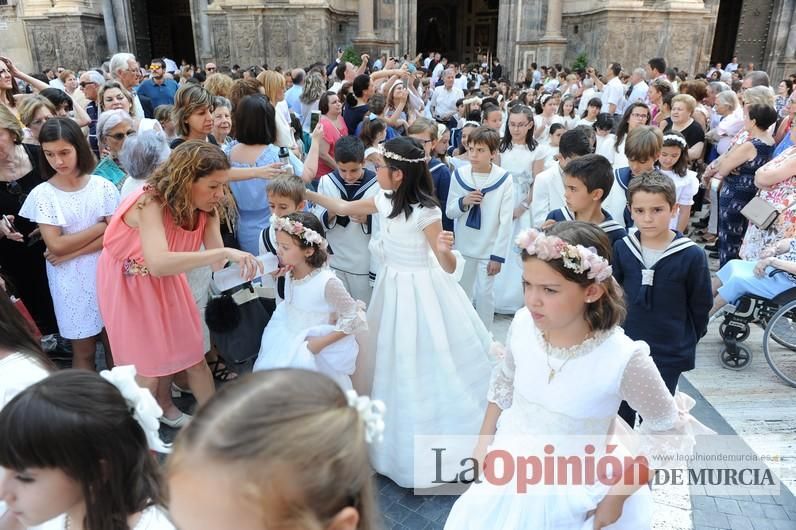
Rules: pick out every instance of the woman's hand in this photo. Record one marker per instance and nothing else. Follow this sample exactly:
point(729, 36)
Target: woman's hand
point(317, 133)
point(608, 511)
point(761, 266)
point(269, 171)
point(7, 230)
point(445, 241)
point(768, 252)
point(10, 64)
point(250, 267)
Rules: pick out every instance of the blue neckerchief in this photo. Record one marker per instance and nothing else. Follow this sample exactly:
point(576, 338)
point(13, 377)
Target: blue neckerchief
point(474, 217)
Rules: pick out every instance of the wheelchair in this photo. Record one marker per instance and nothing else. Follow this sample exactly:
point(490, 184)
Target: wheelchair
point(777, 317)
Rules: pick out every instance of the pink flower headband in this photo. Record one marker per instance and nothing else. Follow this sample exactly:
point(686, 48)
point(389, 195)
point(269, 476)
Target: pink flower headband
point(297, 229)
point(576, 258)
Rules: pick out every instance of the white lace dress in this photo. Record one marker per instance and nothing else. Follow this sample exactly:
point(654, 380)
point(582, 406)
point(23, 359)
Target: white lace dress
point(431, 365)
point(577, 406)
point(315, 305)
point(508, 282)
point(73, 283)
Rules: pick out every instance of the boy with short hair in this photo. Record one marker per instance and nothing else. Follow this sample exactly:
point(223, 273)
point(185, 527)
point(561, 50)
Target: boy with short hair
point(349, 236)
point(285, 196)
point(666, 282)
point(481, 201)
point(426, 132)
point(587, 182)
point(642, 147)
point(548, 186)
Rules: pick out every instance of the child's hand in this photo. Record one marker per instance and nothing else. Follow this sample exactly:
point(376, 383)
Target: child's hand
point(474, 197)
point(480, 451)
point(547, 224)
point(608, 511)
point(359, 219)
point(492, 268)
point(314, 344)
point(281, 271)
point(445, 241)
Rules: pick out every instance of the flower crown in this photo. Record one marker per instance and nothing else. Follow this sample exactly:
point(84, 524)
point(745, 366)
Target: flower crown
point(395, 156)
point(675, 138)
point(297, 229)
point(576, 258)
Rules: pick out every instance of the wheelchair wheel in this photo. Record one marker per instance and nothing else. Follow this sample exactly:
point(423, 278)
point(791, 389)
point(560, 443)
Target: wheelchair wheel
point(738, 361)
point(779, 343)
point(740, 331)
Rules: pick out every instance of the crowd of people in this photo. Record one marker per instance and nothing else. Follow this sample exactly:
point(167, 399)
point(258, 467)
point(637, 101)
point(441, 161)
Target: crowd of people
point(381, 214)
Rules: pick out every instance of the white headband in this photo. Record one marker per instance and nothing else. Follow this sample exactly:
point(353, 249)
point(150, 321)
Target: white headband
point(371, 413)
point(674, 138)
point(395, 156)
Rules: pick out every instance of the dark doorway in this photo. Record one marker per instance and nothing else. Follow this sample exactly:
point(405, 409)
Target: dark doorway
point(460, 30)
point(163, 29)
point(726, 31)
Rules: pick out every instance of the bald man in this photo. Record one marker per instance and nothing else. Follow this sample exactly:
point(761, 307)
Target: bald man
point(293, 94)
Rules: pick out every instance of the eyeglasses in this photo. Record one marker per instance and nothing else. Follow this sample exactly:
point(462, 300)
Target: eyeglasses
point(121, 135)
point(377, 167)
point(639, 116)
point(213, 69)
point(86, 83)
point(14, 188)
point(154, 67)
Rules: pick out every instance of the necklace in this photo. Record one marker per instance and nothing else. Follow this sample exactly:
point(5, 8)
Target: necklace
point(590, 342)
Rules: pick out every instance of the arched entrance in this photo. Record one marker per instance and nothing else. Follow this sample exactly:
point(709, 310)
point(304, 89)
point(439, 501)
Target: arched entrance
point(163, 29)
point(742, 29)
point(460, 30)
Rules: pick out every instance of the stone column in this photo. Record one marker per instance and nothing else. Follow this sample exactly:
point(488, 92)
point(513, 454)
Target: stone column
point(366, 21)
point(110, 27)
point(553, 22)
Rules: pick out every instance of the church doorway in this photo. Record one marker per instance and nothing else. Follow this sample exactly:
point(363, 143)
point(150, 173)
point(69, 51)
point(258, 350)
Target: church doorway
point(461, 30)
point(741, 29)
point(163, 29)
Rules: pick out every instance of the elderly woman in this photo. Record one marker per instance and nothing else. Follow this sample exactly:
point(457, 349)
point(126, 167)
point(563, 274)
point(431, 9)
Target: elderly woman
point(21, 249)
point(69, 80)
point(222, 120)
point(154, 238)
point(682, 121)
point(141, 155)
point(113, 129)
point(34, 111)
point(314, 88)
point(732, 121)
point(113, 96)
point(738, 185)
point(698, 90)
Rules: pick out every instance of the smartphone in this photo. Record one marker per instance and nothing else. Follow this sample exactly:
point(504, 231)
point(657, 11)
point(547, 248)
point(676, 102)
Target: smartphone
point(315, 117)
point(340, 49)
point(9, 224)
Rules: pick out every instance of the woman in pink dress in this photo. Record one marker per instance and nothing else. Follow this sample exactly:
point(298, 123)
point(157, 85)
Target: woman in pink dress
point(144, 297)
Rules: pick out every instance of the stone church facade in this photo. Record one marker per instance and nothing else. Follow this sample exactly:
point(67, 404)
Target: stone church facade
point(688, 33)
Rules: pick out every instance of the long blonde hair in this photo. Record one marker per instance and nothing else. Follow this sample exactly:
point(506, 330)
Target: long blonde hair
point(171, 183)
point(272, 82)
point(294, 440)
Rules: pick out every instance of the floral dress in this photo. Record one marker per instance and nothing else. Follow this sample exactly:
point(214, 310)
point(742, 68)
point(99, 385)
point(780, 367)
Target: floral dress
point(783, 198)
point(737, 189)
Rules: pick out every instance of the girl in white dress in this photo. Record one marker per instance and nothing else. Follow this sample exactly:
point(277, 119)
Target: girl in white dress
point(566, 368)
point(516, 156)
point(75, 452)
point(673, 162)
point(427, 355)
point(72, 209)
point(314, 327)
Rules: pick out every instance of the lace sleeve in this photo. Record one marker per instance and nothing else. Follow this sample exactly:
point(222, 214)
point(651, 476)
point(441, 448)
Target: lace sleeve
point(667, 428)
point(501, 383)
point(350, 313)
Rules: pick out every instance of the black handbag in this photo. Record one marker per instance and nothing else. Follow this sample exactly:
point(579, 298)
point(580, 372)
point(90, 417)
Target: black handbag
point(236, 320)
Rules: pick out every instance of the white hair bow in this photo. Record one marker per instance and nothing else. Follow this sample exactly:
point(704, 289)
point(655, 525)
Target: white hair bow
point(371, 412)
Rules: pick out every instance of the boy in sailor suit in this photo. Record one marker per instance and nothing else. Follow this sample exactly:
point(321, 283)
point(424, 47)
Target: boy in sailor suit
point(666, 281)
point(587, 183)
point(349, 236)
point(481, 203)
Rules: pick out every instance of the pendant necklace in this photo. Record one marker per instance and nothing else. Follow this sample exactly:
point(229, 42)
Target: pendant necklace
point(553, 371)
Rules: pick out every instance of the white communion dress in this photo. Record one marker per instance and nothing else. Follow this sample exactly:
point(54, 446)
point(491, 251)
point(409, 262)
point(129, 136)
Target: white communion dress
point(315, 305)
point(428, 351)
point(568, 398)
point(508, 283)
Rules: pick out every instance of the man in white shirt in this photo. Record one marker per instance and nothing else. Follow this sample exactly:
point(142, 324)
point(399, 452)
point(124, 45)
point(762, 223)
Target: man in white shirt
point(638, 88)
point(588, 93)
point(732, 65)
point(438, 70)
point(613, 91)
point(460, 81)
point(427, 60)
point(348, 72)
point(444, 98)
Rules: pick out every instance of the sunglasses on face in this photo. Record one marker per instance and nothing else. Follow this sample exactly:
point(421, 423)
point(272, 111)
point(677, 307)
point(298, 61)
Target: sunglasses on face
point(121, 135)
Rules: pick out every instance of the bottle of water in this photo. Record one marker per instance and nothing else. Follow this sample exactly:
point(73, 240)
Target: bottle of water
point(284, 158)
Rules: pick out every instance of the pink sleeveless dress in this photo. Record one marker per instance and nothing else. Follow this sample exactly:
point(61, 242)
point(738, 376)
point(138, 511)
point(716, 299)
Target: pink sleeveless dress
point(152, 323)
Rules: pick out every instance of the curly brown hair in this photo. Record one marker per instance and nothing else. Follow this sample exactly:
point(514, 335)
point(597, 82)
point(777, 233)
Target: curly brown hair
point(172, 181)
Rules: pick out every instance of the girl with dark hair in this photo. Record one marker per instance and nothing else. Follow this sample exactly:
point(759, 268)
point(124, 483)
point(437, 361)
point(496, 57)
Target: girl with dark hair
point(314, 327)
point(435, 382)
point(372, 134)
point(76, 454)
point(567, 366)
point(673, 162)
point(73, 209)
point(545, 117)
point(334, 128)
point(516, 156)
point(22, 361)
point(356, 102)
point(589, 116)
